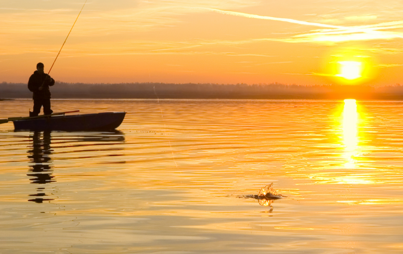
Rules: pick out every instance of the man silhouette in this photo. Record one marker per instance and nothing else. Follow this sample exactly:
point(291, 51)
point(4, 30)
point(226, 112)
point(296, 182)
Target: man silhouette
point(39, 83)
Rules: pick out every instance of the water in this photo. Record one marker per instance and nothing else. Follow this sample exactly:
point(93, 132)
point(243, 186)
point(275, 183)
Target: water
point(175, 176)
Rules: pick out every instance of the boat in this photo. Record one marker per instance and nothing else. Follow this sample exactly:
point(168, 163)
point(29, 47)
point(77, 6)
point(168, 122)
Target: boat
point(60, 122)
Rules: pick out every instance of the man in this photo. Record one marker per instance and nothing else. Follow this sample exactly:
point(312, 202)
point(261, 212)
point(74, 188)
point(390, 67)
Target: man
point(39, 83)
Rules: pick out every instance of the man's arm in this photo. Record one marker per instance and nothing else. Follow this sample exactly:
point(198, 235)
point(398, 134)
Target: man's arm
point(49, 81)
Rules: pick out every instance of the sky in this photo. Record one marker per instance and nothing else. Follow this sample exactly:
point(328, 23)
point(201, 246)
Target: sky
point(204, 41)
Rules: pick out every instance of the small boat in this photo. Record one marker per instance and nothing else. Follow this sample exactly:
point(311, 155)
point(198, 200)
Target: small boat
point(84, 122)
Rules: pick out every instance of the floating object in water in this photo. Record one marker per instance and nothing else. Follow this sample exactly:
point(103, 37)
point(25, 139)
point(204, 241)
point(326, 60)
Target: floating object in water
point(266, 195)
point(85, 122)
point(268, 192)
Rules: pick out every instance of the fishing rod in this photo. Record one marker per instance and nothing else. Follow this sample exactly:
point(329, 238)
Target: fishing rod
point(67, 37)
point(43, 83)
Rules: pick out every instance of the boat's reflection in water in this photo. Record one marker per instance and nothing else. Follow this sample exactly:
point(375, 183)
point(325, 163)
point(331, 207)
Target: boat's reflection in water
point(41, 150)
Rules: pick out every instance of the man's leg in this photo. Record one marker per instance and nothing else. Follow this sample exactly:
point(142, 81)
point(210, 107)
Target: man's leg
point(37, 107)
point(46, 107)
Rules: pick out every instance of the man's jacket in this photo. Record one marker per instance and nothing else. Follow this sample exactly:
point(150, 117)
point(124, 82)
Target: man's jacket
point(36, 80)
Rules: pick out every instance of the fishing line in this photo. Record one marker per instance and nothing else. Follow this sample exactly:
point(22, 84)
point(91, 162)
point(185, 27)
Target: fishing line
point(67, 37)
point(163, 122)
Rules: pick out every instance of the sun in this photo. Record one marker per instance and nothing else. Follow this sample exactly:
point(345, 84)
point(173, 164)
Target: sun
point(350, 70)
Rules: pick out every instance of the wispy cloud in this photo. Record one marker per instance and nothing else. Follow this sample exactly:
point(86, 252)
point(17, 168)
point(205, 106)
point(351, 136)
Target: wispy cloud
point(331, 33)
point(389, 65)
point(129, 17)
point(362, 18)
point(167, 13)
point(147, 15)
point(294, 21)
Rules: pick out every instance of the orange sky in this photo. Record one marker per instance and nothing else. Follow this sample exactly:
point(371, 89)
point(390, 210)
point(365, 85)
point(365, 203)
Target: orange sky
point(226, 41)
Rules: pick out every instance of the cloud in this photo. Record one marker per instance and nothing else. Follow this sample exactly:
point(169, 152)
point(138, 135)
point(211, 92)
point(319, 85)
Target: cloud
point(294, 21)
point(131, 16)
point(322, 74)
point(362, 18)
point(389, 65)
point(26, 30)
point(332, 33)
point(166, 13)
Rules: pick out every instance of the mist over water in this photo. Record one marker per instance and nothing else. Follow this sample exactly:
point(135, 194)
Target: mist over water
point(173, 177)
point(209, 91)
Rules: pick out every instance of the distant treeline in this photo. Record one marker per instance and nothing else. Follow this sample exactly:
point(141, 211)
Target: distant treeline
point(208, 91)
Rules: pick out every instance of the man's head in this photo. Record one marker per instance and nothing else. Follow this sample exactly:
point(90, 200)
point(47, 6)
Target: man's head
point(40, 67)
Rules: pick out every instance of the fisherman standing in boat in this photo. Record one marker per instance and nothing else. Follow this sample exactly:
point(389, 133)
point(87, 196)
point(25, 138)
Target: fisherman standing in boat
point(39, 83)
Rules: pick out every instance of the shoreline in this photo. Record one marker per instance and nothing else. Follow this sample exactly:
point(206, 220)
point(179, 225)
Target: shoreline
point(208, 91)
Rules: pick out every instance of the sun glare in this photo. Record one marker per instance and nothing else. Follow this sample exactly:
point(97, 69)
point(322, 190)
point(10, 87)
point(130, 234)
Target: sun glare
point(350, 70)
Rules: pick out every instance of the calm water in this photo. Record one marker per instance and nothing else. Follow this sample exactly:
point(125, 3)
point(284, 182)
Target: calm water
point(173, 177)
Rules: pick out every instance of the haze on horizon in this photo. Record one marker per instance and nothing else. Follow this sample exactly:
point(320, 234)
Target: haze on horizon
point(204, 41)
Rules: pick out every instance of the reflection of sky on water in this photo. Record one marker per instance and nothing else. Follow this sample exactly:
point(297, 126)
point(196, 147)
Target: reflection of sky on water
point(116, 191)
point(41, 152)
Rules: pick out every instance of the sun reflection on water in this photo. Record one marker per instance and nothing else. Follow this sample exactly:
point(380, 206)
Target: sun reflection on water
point(351, 141)
point(350, 132)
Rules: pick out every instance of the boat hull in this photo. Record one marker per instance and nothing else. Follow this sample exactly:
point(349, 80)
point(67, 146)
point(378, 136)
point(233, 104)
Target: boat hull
point(85, 122)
